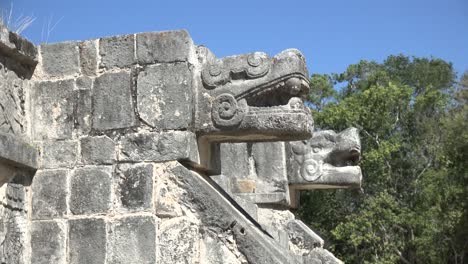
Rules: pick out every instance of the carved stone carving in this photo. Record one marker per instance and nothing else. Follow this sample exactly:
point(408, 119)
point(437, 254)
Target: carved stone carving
point(327, 160)
point(252, 97)
point(246, 66)
point(227, 111)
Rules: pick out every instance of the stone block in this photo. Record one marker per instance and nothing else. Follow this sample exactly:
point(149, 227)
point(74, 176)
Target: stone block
point(60, 59)
point(178, 241)
point(84, 83)
point(167, 193)
point(247, 205)
point(82, 109)
point(18, 47)
point(14, 222)
point(270, 160)
point(59, 154)
point(235, 160)
point(91, 190)
point(220, 216)
point(98, 150)
point(164, 146)
point(266, 198)
point(132, 240)
point(135, 186)
point(49, 194)
point(52, 109)
point(88, 57)
point(14, 151)
point(12, 98)
point(168, 46)
point(112, 101)
point(222, 181)
point(302, 236)
point(214, 251)
point(164, 96)
point(117, 51)
point(48, 243)
point(244, 186)
point(87, 241)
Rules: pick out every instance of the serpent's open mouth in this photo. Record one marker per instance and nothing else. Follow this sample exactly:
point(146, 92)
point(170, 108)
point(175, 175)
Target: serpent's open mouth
point(283, 94)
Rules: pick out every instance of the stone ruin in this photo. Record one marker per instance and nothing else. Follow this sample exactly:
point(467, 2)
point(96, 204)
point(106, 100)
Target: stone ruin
point(146, 148)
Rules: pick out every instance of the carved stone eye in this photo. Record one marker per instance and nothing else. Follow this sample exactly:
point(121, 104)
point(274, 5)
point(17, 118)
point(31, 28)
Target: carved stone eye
point(214, 75)
point(215, 70)
point(226, 112)
point(311, 170)
point(258, 64)
point(254, 60)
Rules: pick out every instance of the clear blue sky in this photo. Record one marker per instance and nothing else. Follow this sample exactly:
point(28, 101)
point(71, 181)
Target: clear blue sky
point(331, 33)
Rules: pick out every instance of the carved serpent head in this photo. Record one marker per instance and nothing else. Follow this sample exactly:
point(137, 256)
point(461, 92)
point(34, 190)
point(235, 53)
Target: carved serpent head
point(252, 97)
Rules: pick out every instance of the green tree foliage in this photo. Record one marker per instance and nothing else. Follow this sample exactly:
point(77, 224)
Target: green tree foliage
point(413, 207)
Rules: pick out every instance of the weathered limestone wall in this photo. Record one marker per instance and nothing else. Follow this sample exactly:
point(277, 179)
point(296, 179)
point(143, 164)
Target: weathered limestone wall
point(17, 157)
point(110, 126)
point(112, 118)
point(103, 135)
point(256, 175)
point(266, 179)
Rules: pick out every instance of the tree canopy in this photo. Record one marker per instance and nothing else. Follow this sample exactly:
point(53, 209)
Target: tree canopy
point(411, 113)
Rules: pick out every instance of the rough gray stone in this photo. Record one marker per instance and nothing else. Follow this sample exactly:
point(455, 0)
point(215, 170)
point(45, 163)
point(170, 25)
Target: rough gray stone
point(167, 194)
point(98, 150)
point(18, 47)
point(302, 236)
point(223, 181)
point(60, 59)
point(164, 96)
point(177, 239)
point(52, 110)
point(12, 100)
point(59, 154)
point(48, 242)
point(84, 83)
point(14, 232)
point(82, 109)
point(168, 46)
point(263, 198)
point(91, 190)
point(112, 101)
point(214, 251)
point(117, 51)
point(247, 205)
point(270, 160)
point(164, 146)
point(135, 186)
point(132, 240)
point(235, 160)
point(256, 171)
point(222, 217)
point(16, 152)
point(49, 194)
point(87, 241)
point(88, 57)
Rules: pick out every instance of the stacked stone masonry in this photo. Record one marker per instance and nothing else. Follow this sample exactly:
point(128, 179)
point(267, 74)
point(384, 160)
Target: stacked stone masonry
point(120, 152)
